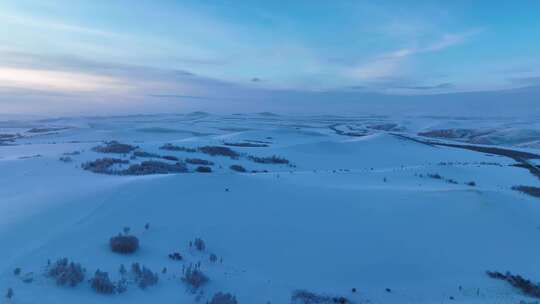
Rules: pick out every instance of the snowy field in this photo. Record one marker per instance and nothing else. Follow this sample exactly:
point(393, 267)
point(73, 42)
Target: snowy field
point(347, 210)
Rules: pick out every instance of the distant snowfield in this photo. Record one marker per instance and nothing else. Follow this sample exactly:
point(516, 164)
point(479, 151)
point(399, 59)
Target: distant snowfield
point(348, 212)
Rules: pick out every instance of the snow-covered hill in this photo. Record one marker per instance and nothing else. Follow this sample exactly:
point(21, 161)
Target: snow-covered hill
point(346, 210)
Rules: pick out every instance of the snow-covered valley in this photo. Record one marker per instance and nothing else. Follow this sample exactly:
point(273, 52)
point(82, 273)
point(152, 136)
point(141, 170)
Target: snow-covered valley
point(341, 208)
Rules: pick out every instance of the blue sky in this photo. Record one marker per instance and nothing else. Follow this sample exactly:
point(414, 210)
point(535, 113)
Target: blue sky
point(75, 55)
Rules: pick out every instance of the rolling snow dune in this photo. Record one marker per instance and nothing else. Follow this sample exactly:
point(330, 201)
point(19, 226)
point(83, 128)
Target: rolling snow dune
point(346, 212)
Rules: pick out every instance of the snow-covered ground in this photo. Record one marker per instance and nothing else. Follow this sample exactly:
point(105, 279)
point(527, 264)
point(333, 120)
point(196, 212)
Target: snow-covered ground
point(348, 211)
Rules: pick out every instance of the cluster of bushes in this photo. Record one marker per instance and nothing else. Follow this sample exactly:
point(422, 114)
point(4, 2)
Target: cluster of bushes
point(101, 283)
point(199, 244)
point(65, 159)
point(434, 175)
point(203, 169)
point(124, 243)
point(170, 157)
point(175, 256)
point(171, 147)
point(238, 168)
point(308, 297)
point(526, 286)
point(65, 272)
point(530, 190)
point(223, 298)
point(152, 167)
point(269, 160)
point(194, 278)
point(144, 277)
point(103, 165)
point(145, 154)
point(114, 147)
point(219, 150)
point(198, 161)
point(246, 144)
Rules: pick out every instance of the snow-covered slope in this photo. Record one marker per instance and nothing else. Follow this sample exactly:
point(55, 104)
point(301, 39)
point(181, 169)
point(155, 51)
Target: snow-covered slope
point(347, 212)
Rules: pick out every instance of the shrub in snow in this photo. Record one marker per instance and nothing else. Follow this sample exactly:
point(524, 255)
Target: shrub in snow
point(175, 256)
point(198, 161)
point(171, 147)
point(144, 277)
point(101, 283)
point(530, 190)
point(223, 298)
point(269, 160)
point(526, 286)
point(153, 167)
point(194, 277)
point(245, 144)
point(199, 244)
point(145, 154)
point(103, 165)
point(203, 169)
point(170, 157)
point(9, 293)
point(17, 271)
point(472, 184)
point(124, 243)
point(435, 176)
point(308, 297)
point(237, 168)
point(213, 258)
point(66, 159)
point(114, 147)
point(219, 150)
point(66, 273)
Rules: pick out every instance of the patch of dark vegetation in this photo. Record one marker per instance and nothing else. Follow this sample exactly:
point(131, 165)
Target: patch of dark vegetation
point(171, 147)
point(219, 151)
point(245, 144)
point(269, 160)
point(47, 130)
point(145, 154)
point(124, 243)
point(65, 159)
point(471, 183)
point(114, 147)
point(170, 157)
point(386, 127)
point(31, 156)
point(199, 244)
point(223, 298)
point(152, 167)
point(451, 133)
point(9, 294)
point(357, 133)
point(526, 286)
point(259, 171)
point(144, 277)
point(237, 168)
point(72, 153)
point(194, 278)
point(175, 256)
point(434, 175)
point(101, 283)
point(103, 165)
point(203, 169)
point(198, 161)
point(65, 272)
point(308, 297)
point(530, 190)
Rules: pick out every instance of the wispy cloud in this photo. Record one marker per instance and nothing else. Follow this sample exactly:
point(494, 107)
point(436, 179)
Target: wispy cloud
point(391, 64)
